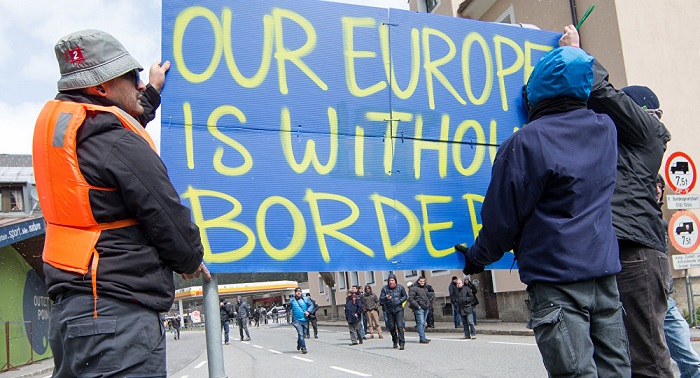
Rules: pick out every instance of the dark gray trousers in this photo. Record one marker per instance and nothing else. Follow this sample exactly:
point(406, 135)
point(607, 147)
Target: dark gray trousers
point(579, 328)
point(125, 340)
point(644, 285)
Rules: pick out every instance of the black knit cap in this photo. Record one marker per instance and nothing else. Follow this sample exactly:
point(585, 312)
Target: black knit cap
point(642, 96)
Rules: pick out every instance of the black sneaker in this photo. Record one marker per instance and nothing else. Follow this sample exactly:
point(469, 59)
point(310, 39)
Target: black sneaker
point(303, 350)
point(315, 336)
point(352, 344)
point(298, 347)
point(396, 345)
point(426, 341)
point(360, 341)
point(401, 347)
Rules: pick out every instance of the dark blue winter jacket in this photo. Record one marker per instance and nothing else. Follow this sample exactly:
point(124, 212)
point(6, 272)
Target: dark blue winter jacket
point(551, 185)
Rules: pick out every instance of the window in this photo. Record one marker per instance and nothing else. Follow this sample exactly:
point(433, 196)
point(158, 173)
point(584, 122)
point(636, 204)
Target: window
point(354, 278)
point(439, 272)
point(508, 17)
point(342, 280)
point(386, 275)
point(430, 5)
point(369, 278)
point(12, 199)
point(410, 273)
point(321, 285)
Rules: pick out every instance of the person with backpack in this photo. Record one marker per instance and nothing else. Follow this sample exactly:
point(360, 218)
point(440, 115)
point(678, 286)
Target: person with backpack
point(301, 308)
point(226, 316)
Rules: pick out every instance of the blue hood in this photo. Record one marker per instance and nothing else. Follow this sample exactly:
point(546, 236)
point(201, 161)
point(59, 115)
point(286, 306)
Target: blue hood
point(563, 72)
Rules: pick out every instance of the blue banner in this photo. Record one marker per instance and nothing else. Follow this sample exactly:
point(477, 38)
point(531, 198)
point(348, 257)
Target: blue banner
point(21, 230)
point(317, 136)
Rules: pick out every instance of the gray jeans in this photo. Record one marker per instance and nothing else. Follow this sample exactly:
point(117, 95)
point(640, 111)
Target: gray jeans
point(126, 339)
point(579, 328)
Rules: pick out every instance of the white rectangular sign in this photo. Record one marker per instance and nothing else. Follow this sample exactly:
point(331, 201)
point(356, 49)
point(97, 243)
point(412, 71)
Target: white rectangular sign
point(683, 202)
point(689, 261)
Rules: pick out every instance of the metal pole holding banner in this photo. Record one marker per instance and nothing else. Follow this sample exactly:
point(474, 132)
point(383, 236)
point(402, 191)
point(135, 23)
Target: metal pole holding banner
point(212, 328)
point(691, 304)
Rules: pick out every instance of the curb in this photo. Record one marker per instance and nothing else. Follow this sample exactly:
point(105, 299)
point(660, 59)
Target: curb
point(47, 370)
point(482, 331)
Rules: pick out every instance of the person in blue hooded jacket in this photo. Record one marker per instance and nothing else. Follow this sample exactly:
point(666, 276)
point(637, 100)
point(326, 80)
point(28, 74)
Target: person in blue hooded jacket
point(549, 202)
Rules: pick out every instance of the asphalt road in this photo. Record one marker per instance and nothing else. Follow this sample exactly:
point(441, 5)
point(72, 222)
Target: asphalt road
point(272, 353)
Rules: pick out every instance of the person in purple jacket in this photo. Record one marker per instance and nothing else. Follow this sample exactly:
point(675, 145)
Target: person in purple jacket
point(549, 202)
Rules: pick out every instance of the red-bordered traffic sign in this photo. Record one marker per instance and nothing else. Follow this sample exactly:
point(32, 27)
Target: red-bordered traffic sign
point(680, 173)
point(683, 231)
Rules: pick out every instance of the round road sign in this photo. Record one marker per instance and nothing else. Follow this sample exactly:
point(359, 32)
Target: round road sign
point(680, 173)
point(683, 231)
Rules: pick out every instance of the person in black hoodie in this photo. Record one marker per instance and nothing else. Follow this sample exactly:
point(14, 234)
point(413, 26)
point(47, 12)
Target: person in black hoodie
point(643, 283)
point(391, 298)
point(549, 200)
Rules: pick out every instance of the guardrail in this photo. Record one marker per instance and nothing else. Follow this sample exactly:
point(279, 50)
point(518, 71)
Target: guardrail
point(17, 331)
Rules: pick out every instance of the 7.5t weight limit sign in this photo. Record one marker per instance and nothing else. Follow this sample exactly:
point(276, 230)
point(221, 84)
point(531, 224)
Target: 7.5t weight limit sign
point(680, 173)
point(683, 231)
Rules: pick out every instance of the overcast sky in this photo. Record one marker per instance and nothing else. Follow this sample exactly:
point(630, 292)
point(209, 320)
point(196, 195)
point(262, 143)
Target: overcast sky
point(28, 69)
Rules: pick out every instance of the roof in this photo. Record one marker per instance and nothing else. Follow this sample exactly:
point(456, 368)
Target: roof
point(237, 289)
point(16, 169)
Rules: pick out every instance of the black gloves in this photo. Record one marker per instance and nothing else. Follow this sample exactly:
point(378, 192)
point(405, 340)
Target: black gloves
point(469, 267)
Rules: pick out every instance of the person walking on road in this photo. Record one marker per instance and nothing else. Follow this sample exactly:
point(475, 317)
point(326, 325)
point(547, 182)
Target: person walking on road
point(301, 307)
point(371, 302)
point(419, 302)
point(313, 321)
point(353, 315)
point(226, 315)
point(242, 315)
point(115, 228)
point(392, 298)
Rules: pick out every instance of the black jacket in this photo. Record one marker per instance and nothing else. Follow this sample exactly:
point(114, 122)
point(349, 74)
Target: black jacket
point(137, 262)
point(452, 289)
point(642, 142)
point(225, 312)
point(397, 294)
point(464, 300)
point(418, 297)
point(353, 311)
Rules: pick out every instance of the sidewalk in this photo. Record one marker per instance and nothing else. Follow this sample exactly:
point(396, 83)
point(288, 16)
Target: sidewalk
point(483, 327)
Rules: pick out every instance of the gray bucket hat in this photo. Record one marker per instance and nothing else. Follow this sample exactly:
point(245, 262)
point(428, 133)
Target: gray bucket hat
point(91, 57)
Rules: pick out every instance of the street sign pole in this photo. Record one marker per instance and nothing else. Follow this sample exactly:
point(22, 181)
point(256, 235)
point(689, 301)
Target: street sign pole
point(691, 305)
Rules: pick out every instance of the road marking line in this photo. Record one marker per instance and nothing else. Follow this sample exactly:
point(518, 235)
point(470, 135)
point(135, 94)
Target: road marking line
point(199, 365)
point(350, 371)
point(503, 342)
point(302, 359)
point(185, 376)
point(257, 346)
point(274, 351)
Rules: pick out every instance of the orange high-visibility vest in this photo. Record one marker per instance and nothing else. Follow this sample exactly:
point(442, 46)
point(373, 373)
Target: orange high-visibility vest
point(71, 230)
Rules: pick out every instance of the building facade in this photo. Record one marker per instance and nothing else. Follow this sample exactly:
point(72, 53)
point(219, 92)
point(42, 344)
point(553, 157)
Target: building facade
point(641, 42)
